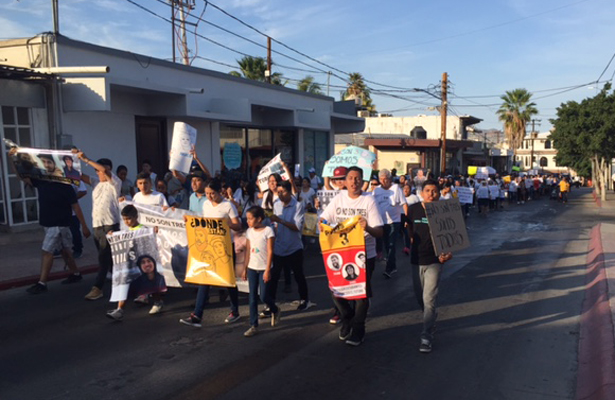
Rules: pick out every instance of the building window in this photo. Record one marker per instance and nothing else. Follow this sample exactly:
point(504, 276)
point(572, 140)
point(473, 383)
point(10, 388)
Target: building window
point(316, 151)
point(544, 162)
point(547, 144)
point(18, 202)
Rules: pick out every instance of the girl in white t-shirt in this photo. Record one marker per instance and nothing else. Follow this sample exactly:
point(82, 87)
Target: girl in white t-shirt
point(259, 257)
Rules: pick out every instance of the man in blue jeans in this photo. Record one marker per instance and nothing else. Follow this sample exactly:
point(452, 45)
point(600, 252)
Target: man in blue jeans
point(392, 205)
point(426, 264)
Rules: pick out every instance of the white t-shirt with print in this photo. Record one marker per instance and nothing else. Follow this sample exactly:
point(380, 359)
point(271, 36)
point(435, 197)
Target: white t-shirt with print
point(307, 197)
point(105, 207)
point(224, 209)
point(343, 207)
point(153, 199)
point(390, 202)
point(258, 247)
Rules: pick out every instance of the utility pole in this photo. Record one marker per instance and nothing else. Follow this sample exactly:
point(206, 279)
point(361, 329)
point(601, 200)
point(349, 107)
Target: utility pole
point(173, 28)
point(328, 81)
point(184, 39)
point(443, 109)
point(56, 17)
point(268, 72)
point(533, 135)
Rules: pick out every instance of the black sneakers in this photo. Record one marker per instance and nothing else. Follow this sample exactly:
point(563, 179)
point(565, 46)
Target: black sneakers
point(37, 289)
point(425, 346)
point(355, 339)
point(345, 330)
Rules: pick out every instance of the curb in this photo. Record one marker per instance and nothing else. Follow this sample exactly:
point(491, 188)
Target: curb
point(31, 280)
point(595, 378)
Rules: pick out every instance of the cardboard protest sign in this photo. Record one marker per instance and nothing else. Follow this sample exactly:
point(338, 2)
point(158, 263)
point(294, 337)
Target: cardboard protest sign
point(50, 165)
point(325, 197)
point(351, 156)
point(184, 138)
point(136, 267)
point(274, 166)
point(310, 224)
point(343, 251)
point(448, 229)
point(232, 155)
point(171, 239)
point(465, 195)
point(210, 259)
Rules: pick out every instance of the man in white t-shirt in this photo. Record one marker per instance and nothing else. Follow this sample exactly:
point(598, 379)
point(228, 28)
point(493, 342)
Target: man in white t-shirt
point(105, 215)
point(392, 204)
point(146, 195)
point(348, 203)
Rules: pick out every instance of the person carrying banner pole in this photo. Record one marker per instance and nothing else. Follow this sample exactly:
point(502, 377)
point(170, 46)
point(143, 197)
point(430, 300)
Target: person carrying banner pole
point(288, 216)
point(216, 207)
point(426, 265)
point(348, 203)
point(57, 202)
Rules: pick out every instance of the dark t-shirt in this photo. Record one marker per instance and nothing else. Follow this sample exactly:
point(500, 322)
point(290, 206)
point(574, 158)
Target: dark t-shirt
point(55, 202)
point(422, 252)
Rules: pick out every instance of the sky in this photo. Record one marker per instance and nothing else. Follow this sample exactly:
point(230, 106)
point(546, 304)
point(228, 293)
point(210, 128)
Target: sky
point(487, 47)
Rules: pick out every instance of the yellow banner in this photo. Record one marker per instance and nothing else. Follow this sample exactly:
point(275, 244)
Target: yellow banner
point(310, 225)
point(472, 170)
point(343, 251)
point(506, 179)
point(210, 253)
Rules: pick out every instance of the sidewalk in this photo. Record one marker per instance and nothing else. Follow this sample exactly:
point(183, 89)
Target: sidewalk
point(20, 259)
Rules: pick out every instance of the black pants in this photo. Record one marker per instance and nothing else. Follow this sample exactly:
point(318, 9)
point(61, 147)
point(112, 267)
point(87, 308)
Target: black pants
point(105, 261)
point(75, 230)
point(293, 261)
point(357, 316)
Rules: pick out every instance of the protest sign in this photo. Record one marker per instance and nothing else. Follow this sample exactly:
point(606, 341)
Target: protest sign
point(472, 170)
point(447, 227)
point(210, 260)
point(506, 179)
point(310, 224)
point(274, 166)
point(50, 165)
point(232, 155)
point(465, 195)
point(481, 175)
point(171, 239)
point(325, 197)
point(184, 139)
point(129, 250)
point(351, 156)
point(343, 251)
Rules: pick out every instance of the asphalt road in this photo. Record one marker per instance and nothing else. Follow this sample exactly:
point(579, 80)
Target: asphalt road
point(508, 329)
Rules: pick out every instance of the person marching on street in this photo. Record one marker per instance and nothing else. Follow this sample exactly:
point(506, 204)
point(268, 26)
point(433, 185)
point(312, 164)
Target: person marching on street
point(350, 202)
point(426, 265)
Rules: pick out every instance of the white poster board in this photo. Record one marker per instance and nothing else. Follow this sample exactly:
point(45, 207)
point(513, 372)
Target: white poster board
point(274, 166)
point(184, 138)
point(465, 195)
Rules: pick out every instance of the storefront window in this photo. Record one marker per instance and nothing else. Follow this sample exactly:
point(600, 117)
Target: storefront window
point(316, 151)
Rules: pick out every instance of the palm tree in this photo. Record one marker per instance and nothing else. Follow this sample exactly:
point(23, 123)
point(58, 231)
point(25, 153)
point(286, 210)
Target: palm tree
point(515, 113)
point(307, 84)
point(254, 68)
point(358, 90)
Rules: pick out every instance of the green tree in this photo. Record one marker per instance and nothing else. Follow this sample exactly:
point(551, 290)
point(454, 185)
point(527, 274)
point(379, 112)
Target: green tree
point(516, 111)
point(254, 68)
point(307, 84)
point(358, 90)
point(584, 133)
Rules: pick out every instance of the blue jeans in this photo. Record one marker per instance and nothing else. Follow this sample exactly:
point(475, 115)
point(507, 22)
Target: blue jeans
point(391, 231)
point(202, 298)
point(256, 285)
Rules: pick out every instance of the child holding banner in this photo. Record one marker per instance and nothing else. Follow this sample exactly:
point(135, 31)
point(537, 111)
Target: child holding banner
point(347, 204)
point(426, 265)
point(259, 257)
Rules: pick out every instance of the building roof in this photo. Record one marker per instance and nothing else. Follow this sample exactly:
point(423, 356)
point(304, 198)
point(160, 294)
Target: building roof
point(10, 72)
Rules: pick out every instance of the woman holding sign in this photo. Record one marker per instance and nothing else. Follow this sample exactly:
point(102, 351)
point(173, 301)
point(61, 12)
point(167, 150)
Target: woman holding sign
point(426, 265)
point(347, 204)
point(216, 207)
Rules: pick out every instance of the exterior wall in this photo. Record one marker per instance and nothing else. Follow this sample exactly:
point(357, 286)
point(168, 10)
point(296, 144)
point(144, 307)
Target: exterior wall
point(397, 125)
point(390, 159)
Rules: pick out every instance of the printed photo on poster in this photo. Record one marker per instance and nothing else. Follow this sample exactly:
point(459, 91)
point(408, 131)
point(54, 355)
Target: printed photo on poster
point(334, 262)
point(50, 165)
point(184, 138)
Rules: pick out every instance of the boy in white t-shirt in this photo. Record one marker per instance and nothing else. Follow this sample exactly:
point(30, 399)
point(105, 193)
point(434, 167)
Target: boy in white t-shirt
point(348, 203)
point(146, 195)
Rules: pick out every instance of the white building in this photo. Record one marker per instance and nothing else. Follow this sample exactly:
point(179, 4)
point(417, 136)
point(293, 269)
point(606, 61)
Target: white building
point(537, 152)
point(121, 105)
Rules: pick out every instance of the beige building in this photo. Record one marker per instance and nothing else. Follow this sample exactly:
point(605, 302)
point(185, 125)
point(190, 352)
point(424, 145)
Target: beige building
point(537, 152)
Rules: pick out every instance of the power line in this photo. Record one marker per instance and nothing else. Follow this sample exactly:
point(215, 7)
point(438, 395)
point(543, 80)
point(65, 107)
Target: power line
point(607, 67)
